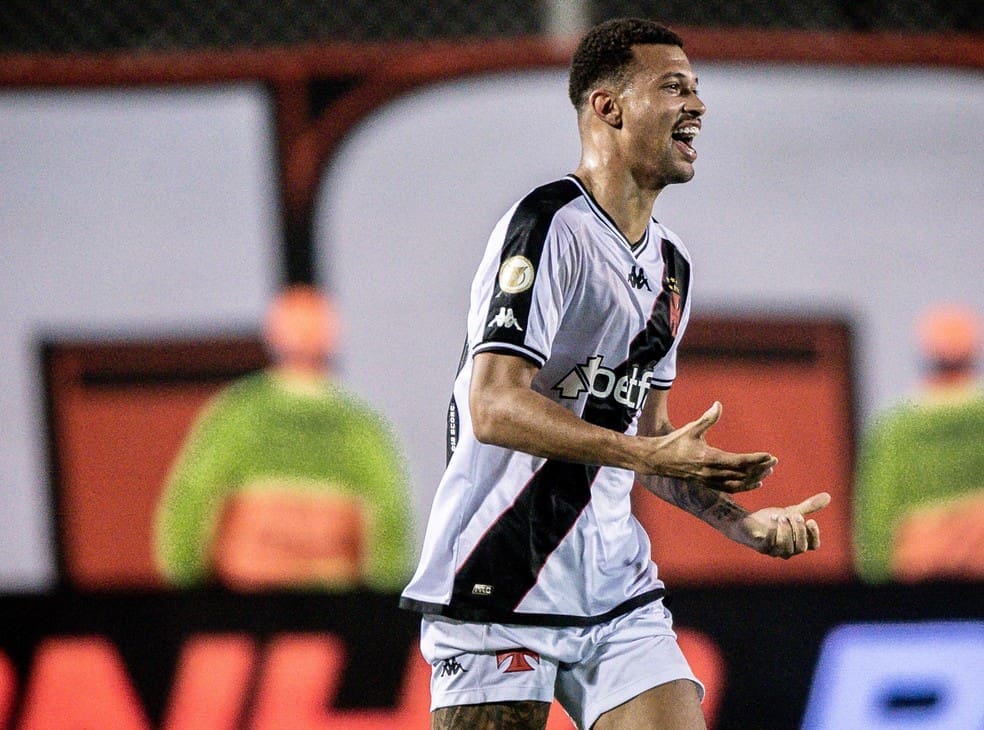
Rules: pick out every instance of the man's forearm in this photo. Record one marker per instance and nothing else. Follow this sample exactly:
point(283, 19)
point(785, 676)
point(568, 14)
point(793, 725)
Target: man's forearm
point(713, 507)
point(521, 419)
point(506, 411)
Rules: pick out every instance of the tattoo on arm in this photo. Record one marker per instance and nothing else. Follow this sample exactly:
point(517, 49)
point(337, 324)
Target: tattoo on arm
point(727, 509)
point(690, 497)
point(711, 506)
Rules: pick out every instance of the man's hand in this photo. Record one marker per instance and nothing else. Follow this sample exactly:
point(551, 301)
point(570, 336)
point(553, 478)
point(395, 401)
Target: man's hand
point(685, 454)
point(781, 532)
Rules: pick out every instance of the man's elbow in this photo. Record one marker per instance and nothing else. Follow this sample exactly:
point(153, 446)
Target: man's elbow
point(487, 417)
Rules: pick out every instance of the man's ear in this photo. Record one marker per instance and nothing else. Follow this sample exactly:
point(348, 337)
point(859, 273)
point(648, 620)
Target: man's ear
point(606, 107)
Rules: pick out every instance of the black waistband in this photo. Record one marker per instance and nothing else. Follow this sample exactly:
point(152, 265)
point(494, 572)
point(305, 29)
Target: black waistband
point(485, 616)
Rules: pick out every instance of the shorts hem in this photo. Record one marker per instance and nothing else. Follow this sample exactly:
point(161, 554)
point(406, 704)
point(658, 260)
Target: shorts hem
point(492, 695)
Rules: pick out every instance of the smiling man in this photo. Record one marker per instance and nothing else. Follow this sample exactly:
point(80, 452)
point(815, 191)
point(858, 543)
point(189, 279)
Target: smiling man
point(535, 580)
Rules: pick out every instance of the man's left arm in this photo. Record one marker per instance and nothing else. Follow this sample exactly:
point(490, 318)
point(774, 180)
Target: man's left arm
point(777, 531)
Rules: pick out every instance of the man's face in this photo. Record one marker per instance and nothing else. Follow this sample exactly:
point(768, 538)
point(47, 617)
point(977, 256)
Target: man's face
point(660, 116)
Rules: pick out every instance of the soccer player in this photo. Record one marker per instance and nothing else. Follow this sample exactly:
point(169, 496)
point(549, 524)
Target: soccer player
point(535, 580)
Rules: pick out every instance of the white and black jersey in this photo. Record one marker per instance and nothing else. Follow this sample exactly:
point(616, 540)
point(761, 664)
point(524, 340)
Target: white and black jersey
point(515, 538)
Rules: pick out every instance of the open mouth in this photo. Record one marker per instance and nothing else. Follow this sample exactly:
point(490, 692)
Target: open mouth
point(686, 134)
point(684, 137)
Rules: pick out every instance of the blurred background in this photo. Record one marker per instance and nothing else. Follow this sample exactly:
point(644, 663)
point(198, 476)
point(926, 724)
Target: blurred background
point(166, 169)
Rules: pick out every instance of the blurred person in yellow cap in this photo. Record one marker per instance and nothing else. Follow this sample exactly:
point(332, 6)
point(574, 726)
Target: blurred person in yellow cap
point(919, 509)
point(286, 480)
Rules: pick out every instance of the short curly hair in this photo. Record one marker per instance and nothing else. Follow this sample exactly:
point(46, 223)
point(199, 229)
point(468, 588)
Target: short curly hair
point(604, 54)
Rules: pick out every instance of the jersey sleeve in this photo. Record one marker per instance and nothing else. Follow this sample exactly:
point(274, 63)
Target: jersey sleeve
point(521, 290)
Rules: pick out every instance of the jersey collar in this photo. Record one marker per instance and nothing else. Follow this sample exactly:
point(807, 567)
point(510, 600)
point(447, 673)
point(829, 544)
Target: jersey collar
point(635, 248)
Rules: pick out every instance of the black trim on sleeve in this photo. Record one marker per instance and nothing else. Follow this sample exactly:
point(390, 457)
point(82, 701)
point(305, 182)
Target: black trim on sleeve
point(527, 353)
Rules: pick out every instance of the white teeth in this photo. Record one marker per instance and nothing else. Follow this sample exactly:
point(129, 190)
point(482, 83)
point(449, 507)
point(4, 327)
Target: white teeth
point(689, 131)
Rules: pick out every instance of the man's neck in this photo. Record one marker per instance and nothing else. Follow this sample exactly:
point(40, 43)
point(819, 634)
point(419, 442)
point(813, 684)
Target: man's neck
point(626, 203)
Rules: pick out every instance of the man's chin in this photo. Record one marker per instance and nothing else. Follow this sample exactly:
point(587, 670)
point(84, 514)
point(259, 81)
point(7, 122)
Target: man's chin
point(680, 175)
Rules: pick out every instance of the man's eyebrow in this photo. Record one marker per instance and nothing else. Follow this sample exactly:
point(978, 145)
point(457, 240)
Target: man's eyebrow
point(678, 75)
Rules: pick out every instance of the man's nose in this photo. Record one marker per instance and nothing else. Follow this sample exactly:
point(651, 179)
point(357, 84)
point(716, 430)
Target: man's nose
point(693, 105)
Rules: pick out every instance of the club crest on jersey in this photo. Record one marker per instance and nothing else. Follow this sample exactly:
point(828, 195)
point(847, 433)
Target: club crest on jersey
point(671, 285)
point(516, 274)
point(504, 319)
point(594, 378)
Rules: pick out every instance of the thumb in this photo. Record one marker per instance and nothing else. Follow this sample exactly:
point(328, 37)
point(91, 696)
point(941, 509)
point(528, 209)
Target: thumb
point(813, 504)
point(710, 417)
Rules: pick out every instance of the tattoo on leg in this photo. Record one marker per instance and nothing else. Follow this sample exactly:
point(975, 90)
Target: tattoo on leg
point(524, 715)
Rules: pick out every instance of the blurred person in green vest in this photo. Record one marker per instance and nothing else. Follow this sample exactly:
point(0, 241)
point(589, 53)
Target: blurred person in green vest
point(919, 509)
point(286, 480)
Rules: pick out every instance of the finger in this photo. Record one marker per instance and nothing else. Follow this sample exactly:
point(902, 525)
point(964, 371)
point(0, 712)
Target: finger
point(813, 504)
point(783, 537)
point(742, 462)
point(800, 540)
point(812, 535)
point(731, 484)
point(789, 544)
point(746, 465)
point(710, 417)
point(730, 479)
point(754, 478)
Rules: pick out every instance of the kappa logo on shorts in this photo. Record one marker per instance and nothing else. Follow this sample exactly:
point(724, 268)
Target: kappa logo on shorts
point(450, 667)
point(516, 660)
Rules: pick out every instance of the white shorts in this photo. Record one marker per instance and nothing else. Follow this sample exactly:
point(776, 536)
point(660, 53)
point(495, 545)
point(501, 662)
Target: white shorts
point(590, 670)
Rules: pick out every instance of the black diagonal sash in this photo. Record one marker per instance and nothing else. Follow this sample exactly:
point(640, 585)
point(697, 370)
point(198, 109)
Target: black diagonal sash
point(507, 560)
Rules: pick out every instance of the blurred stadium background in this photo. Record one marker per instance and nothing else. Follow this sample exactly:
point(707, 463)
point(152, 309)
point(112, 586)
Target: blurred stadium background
point(131, 656)
point(91, 26)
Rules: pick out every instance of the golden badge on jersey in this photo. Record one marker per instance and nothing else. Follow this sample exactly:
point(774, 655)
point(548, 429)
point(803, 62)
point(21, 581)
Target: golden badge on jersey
point(516, 275)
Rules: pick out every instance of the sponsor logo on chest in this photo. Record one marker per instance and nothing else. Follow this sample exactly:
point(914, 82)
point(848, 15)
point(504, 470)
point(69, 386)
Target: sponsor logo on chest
point(594, 378)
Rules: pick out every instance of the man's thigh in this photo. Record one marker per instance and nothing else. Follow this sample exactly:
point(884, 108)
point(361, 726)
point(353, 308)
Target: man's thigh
point(671, 706)
point(634, 655)
point(526, 715)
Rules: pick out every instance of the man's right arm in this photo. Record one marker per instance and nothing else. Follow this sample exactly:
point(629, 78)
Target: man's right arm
point(507, 412)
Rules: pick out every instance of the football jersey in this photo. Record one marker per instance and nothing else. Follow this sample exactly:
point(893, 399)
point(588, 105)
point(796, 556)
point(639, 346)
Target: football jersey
point(517, 538)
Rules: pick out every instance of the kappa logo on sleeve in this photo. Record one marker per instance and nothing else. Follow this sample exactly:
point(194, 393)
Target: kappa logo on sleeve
point(505, 319)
